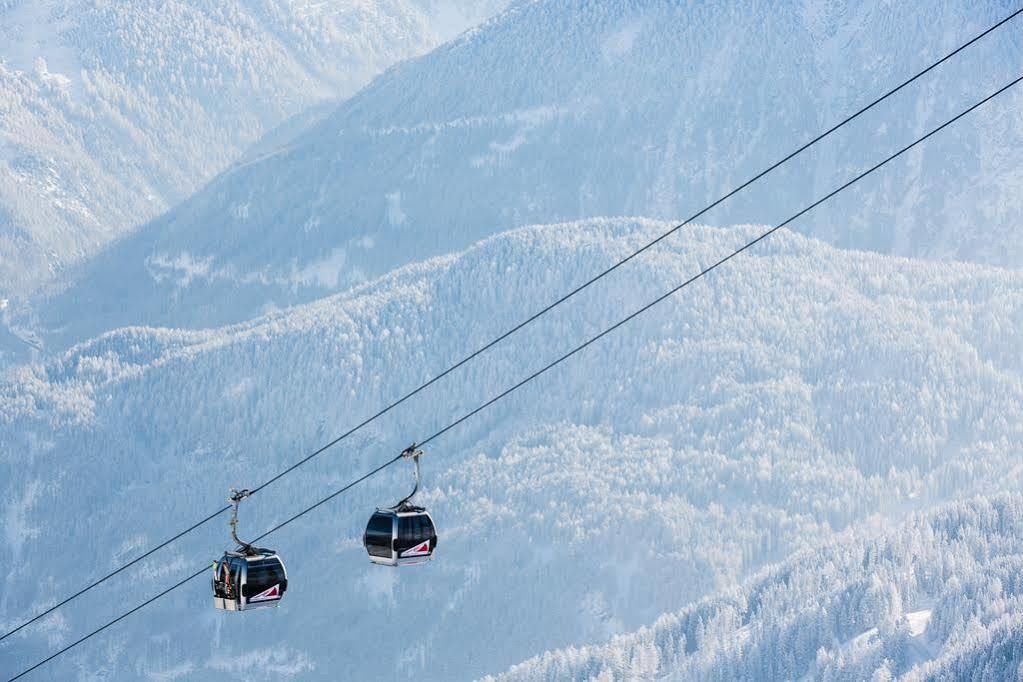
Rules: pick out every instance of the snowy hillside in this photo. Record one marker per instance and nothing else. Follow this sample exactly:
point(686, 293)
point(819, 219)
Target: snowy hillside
point(848, 611)
point(790, 395)
point(111, 112)
point(561, 109)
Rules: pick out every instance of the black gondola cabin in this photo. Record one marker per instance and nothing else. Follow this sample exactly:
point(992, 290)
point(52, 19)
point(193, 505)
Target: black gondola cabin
point(400, 536)
point(250, 579)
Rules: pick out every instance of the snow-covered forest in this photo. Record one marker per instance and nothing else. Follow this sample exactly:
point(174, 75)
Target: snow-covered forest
point(802, 391)
point(938, 598)
point(231, 231)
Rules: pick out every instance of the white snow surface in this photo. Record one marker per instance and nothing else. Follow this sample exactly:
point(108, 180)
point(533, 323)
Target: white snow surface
point(795, 393)
point(564, 109)
point(111, 112)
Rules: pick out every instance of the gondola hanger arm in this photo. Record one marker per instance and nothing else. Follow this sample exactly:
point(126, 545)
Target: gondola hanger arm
point(235, 499)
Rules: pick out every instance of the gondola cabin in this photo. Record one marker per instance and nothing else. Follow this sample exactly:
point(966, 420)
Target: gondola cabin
point(400, 536)
point(249, 580)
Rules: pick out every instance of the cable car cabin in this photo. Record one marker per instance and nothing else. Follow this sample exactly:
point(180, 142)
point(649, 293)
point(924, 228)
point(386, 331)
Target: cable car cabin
point(249, 580)
point(400, 536)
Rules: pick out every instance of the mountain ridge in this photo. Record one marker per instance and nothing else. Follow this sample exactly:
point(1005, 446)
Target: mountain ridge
point(557, 111)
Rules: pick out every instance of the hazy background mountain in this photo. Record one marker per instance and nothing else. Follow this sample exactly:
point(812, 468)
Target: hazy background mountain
point(557, 110)
point(110, 112)
point(796, 392)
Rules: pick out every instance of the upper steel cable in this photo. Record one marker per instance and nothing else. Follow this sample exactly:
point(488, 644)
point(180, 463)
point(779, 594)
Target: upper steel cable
point(549, 366)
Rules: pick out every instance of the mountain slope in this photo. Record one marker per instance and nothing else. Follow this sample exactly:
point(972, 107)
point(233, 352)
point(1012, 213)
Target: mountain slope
point(111, 112)
point(558, 110)
point(846, 611)
point(792, 393)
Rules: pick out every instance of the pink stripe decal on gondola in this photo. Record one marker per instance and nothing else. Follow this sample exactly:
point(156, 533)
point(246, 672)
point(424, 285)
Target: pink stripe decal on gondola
point(273, 593)
point(419, 550)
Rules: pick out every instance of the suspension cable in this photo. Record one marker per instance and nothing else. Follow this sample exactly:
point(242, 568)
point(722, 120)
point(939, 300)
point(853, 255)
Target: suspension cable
point(550, 365)
point(529, 320)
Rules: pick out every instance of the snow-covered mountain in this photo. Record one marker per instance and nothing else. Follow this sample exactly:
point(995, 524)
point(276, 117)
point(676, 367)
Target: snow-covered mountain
point(559, 109)
point(110, 112)
point(938, 598)
point(792, 394)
